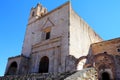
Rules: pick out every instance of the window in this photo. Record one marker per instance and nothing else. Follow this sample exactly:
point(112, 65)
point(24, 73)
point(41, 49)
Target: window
point(47, 35)
point(33, 13)
point(118, 50)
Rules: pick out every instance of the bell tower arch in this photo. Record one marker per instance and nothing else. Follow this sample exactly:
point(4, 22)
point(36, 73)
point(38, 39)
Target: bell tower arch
point(37, 12)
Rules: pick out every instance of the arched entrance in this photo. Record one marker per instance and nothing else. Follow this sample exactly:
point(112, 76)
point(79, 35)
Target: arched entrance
point(81, 62)
point(105, 76)
point(104, 63)
point(44, 65)
point(12, 70)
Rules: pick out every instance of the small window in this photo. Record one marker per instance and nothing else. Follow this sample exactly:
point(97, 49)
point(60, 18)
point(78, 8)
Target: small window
point(47, 35)
point(33, 13)
point(118, 50)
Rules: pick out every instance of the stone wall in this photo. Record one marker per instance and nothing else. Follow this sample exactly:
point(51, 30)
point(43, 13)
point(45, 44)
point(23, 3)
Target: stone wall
point(105, 56)
point(86, 74)
point(24, 65)
point(81, 36)
point(11, 60)
point(33, 76)
point(110, 46)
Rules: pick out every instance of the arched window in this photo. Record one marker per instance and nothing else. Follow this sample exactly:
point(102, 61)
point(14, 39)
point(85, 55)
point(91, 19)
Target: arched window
point(33, 13)
point(44, 65)
point(12, 70)
point(105, 76)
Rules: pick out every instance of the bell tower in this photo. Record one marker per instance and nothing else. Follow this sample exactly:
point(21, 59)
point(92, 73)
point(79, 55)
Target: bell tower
point(37, 12)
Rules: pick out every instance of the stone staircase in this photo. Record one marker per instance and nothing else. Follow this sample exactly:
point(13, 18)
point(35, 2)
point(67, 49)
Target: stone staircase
point(85, 74)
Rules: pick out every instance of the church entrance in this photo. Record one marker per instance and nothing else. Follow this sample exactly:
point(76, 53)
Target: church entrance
point(105, 76)
point(44, 65)
point(12, 69)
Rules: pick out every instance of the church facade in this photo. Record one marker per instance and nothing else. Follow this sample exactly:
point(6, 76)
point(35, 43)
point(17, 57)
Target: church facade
point(61, 41)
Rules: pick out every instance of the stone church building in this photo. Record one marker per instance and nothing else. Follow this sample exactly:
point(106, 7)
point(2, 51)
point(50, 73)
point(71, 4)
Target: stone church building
point(61, 41)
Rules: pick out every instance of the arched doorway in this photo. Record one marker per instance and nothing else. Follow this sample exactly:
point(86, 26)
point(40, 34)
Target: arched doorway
point(44, 65)
point(105, 76)
point(81, 62)
point(12, 70)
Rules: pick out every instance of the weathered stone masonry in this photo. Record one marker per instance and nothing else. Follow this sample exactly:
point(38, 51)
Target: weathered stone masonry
point(59, 42)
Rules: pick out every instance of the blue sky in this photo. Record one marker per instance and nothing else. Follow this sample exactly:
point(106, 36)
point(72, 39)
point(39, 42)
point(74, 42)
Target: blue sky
point(102, 15)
